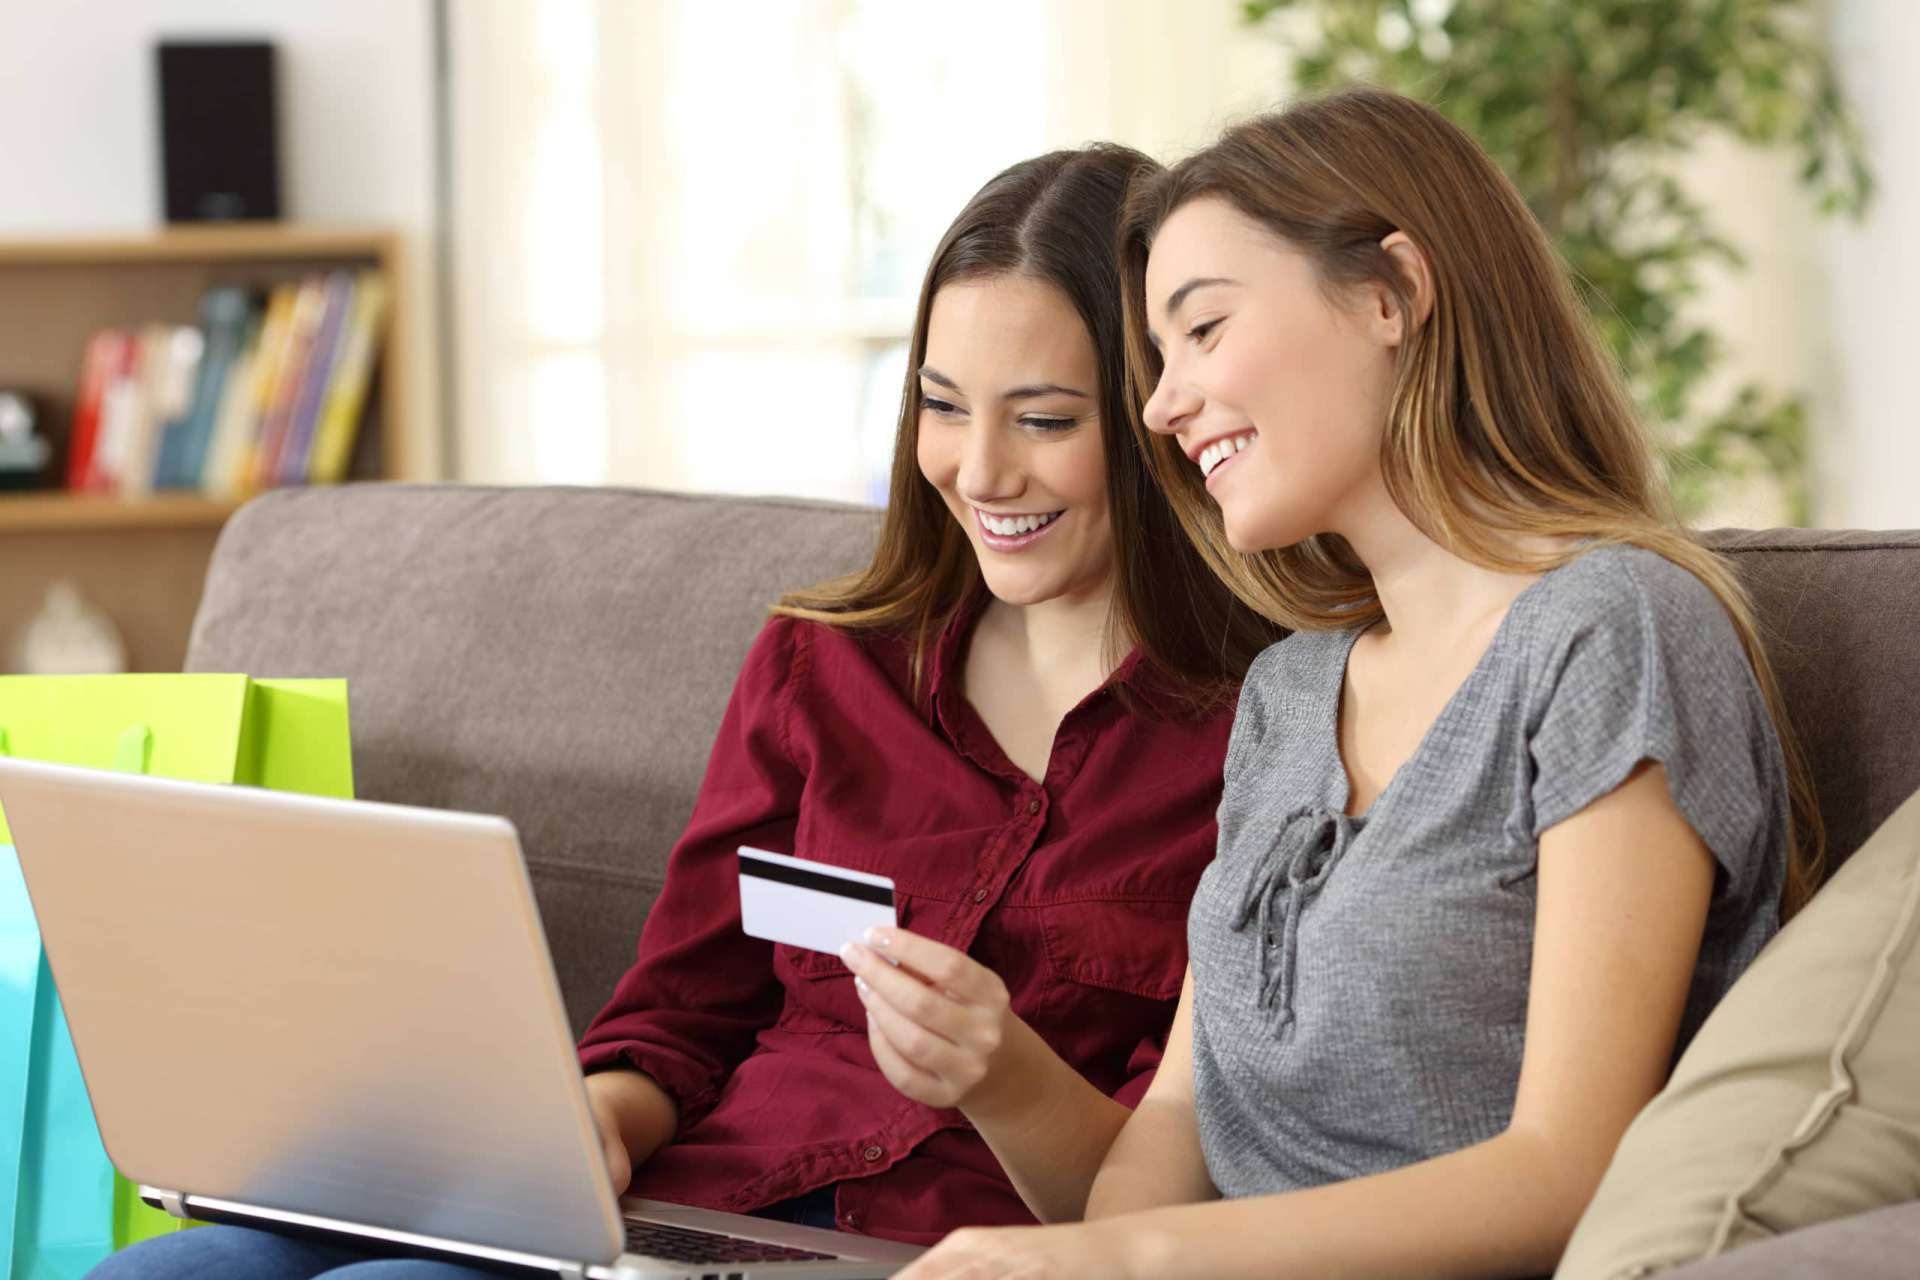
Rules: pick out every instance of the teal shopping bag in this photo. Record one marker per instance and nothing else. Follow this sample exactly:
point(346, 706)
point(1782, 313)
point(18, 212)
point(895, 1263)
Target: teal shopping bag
point(59, 1222)
point(62, 1207)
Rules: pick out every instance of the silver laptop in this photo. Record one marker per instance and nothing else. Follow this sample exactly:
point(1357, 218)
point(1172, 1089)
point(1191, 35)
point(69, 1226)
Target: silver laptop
point(340, 1018)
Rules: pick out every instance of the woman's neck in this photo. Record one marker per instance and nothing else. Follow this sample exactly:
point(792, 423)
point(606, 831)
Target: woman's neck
point(1054, 636)
point(1428, 594)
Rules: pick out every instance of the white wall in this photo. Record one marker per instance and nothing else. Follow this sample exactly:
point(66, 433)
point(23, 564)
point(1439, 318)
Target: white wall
point(1824, 306)
point(1866, 374)
point(79, 131)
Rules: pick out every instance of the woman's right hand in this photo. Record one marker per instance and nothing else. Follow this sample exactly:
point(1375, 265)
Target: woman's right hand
point(634, 1117)
point(613, 1146)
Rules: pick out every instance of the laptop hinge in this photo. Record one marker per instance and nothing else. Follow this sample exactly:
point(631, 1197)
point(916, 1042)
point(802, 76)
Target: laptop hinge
point(172, 1201)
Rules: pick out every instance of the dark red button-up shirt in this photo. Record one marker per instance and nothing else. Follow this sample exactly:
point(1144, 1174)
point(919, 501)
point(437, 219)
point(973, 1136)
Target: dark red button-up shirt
point(1073, 889)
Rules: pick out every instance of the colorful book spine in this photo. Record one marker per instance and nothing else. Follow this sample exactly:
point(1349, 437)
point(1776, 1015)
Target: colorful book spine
point(105, 353)
point(172, 372)
point(266, 390)
point(223, 474)
point(346, 398)
point(122, 404)
point(297, 453)
point(309, 309)
point(265, 372)
point(224, 316)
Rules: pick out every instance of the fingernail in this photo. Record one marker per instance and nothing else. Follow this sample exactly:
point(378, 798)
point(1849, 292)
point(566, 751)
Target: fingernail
point(879, 938)
point(850, 954)
point(860, 985)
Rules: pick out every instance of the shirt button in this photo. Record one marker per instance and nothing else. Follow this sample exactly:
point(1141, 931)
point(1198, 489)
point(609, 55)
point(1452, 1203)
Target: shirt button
point(979, 895)
point(873, 1154)
point(1033, 806)
point(851, 1222)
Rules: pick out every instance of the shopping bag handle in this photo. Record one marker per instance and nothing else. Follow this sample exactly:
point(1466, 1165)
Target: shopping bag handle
point(131, 754)
point(134, 751)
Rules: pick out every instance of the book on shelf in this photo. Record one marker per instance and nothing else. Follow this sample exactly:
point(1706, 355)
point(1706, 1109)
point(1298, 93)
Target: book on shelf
point(344, 401)
point(303, 328)
point(296, 447)
point(98, 367)
point(266, 389)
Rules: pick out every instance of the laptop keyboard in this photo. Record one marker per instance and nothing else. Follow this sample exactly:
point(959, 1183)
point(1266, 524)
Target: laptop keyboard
point(684, 1244)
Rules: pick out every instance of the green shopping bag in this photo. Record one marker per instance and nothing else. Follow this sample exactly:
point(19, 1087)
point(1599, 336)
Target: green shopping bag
point(62, 1206)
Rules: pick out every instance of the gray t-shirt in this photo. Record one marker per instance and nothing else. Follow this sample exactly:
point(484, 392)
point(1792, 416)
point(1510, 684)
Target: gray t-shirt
point(1361, 982)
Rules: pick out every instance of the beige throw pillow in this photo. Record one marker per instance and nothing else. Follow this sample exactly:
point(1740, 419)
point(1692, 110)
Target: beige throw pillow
point(1799, 1099)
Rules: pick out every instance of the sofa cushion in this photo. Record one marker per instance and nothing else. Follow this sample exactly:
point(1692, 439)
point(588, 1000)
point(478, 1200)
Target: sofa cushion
point(559, 656)
point(1798, 1101)
point(1868, 1246)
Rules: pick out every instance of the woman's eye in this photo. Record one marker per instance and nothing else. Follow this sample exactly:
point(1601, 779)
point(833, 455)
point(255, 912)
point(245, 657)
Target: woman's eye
point(942, 407)
point(1200, 331)
point(1047, 422)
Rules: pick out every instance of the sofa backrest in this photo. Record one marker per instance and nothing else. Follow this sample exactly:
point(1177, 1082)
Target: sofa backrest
point(559, 656)
point(1840, 613)
point(563, 657)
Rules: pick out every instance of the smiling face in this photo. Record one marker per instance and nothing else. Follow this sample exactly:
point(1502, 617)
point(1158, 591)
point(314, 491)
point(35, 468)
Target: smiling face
point(1276, 393)
point(1010, 436)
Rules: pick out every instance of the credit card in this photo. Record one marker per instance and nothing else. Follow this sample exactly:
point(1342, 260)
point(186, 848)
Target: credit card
point(809, 904)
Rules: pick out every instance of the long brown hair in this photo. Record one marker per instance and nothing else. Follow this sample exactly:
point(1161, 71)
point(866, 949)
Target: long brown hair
point(1505, 422)
point(1052, 219)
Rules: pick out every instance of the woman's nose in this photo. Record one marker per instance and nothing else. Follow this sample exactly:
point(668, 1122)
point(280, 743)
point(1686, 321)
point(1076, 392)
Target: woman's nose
point(1169, 406)
point(986, 464)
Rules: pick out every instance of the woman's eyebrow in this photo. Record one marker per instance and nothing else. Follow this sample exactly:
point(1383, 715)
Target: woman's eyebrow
point(1029, 392)
point(1044, 389)
point(1179, 295)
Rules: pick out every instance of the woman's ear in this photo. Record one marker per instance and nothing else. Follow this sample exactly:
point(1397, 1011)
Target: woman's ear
point(1417, 273)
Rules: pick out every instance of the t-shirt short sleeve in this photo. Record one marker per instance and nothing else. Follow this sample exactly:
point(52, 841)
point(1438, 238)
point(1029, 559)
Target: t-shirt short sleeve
point(1643, 663)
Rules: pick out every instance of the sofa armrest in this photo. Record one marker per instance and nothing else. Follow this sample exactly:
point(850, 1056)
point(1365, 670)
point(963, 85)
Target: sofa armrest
point(1881, 1245)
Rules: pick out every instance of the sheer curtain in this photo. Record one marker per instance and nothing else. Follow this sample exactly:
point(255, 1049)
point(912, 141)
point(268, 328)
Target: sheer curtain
point(688, 235)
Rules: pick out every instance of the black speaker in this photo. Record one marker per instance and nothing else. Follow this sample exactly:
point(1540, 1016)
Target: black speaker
point(219, 131)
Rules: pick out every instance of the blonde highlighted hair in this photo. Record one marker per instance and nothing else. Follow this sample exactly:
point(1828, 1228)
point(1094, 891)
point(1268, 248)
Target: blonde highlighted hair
point(1506, 422)
point(1050, 219)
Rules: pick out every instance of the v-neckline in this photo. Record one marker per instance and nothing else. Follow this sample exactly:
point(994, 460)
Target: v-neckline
point(1339, 698)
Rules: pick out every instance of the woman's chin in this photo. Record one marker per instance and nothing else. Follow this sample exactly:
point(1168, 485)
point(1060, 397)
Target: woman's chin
point(1021, 589)
point(1251, 532)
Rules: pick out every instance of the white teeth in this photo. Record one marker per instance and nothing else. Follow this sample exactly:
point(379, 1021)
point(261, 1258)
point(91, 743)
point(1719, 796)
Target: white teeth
point(1220, 450)
point(1013, 526)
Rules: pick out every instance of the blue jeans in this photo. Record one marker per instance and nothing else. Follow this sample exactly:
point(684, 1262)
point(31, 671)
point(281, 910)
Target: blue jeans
point(242, 1253)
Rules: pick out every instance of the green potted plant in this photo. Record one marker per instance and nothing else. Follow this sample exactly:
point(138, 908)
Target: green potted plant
point(1591, 106)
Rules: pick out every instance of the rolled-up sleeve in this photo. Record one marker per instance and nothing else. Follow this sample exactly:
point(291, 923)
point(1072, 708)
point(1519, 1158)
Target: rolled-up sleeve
point(700, 990)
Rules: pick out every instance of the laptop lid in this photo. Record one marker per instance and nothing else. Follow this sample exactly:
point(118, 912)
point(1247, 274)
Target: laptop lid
point(329, 1007)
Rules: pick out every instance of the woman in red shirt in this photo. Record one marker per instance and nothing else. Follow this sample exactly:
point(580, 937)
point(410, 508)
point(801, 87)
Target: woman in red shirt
point(1018, 712)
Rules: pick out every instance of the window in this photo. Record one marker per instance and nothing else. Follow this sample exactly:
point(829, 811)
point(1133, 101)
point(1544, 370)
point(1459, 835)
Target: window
point(689, 236)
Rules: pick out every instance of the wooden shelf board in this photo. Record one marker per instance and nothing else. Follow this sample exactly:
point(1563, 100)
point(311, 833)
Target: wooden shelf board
point(80, 513)
point(198, 244)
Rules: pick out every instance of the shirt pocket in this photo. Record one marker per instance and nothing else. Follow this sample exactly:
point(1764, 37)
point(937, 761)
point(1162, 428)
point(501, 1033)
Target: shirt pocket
point(1137, 947)
point(819, 986)
point(820, 994)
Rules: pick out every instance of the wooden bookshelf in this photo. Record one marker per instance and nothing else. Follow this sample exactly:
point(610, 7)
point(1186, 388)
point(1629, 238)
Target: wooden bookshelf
point(52, 512)
point(142, 560)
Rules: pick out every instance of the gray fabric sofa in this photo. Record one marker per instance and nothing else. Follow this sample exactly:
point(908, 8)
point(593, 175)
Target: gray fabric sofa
point(562, 656)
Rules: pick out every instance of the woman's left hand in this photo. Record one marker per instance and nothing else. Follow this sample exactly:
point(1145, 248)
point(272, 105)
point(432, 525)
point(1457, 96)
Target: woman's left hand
point(938, 1020)
point(1077, 1251)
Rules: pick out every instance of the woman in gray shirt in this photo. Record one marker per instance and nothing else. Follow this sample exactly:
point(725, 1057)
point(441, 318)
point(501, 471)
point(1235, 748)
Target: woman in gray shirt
point(1512, 808)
